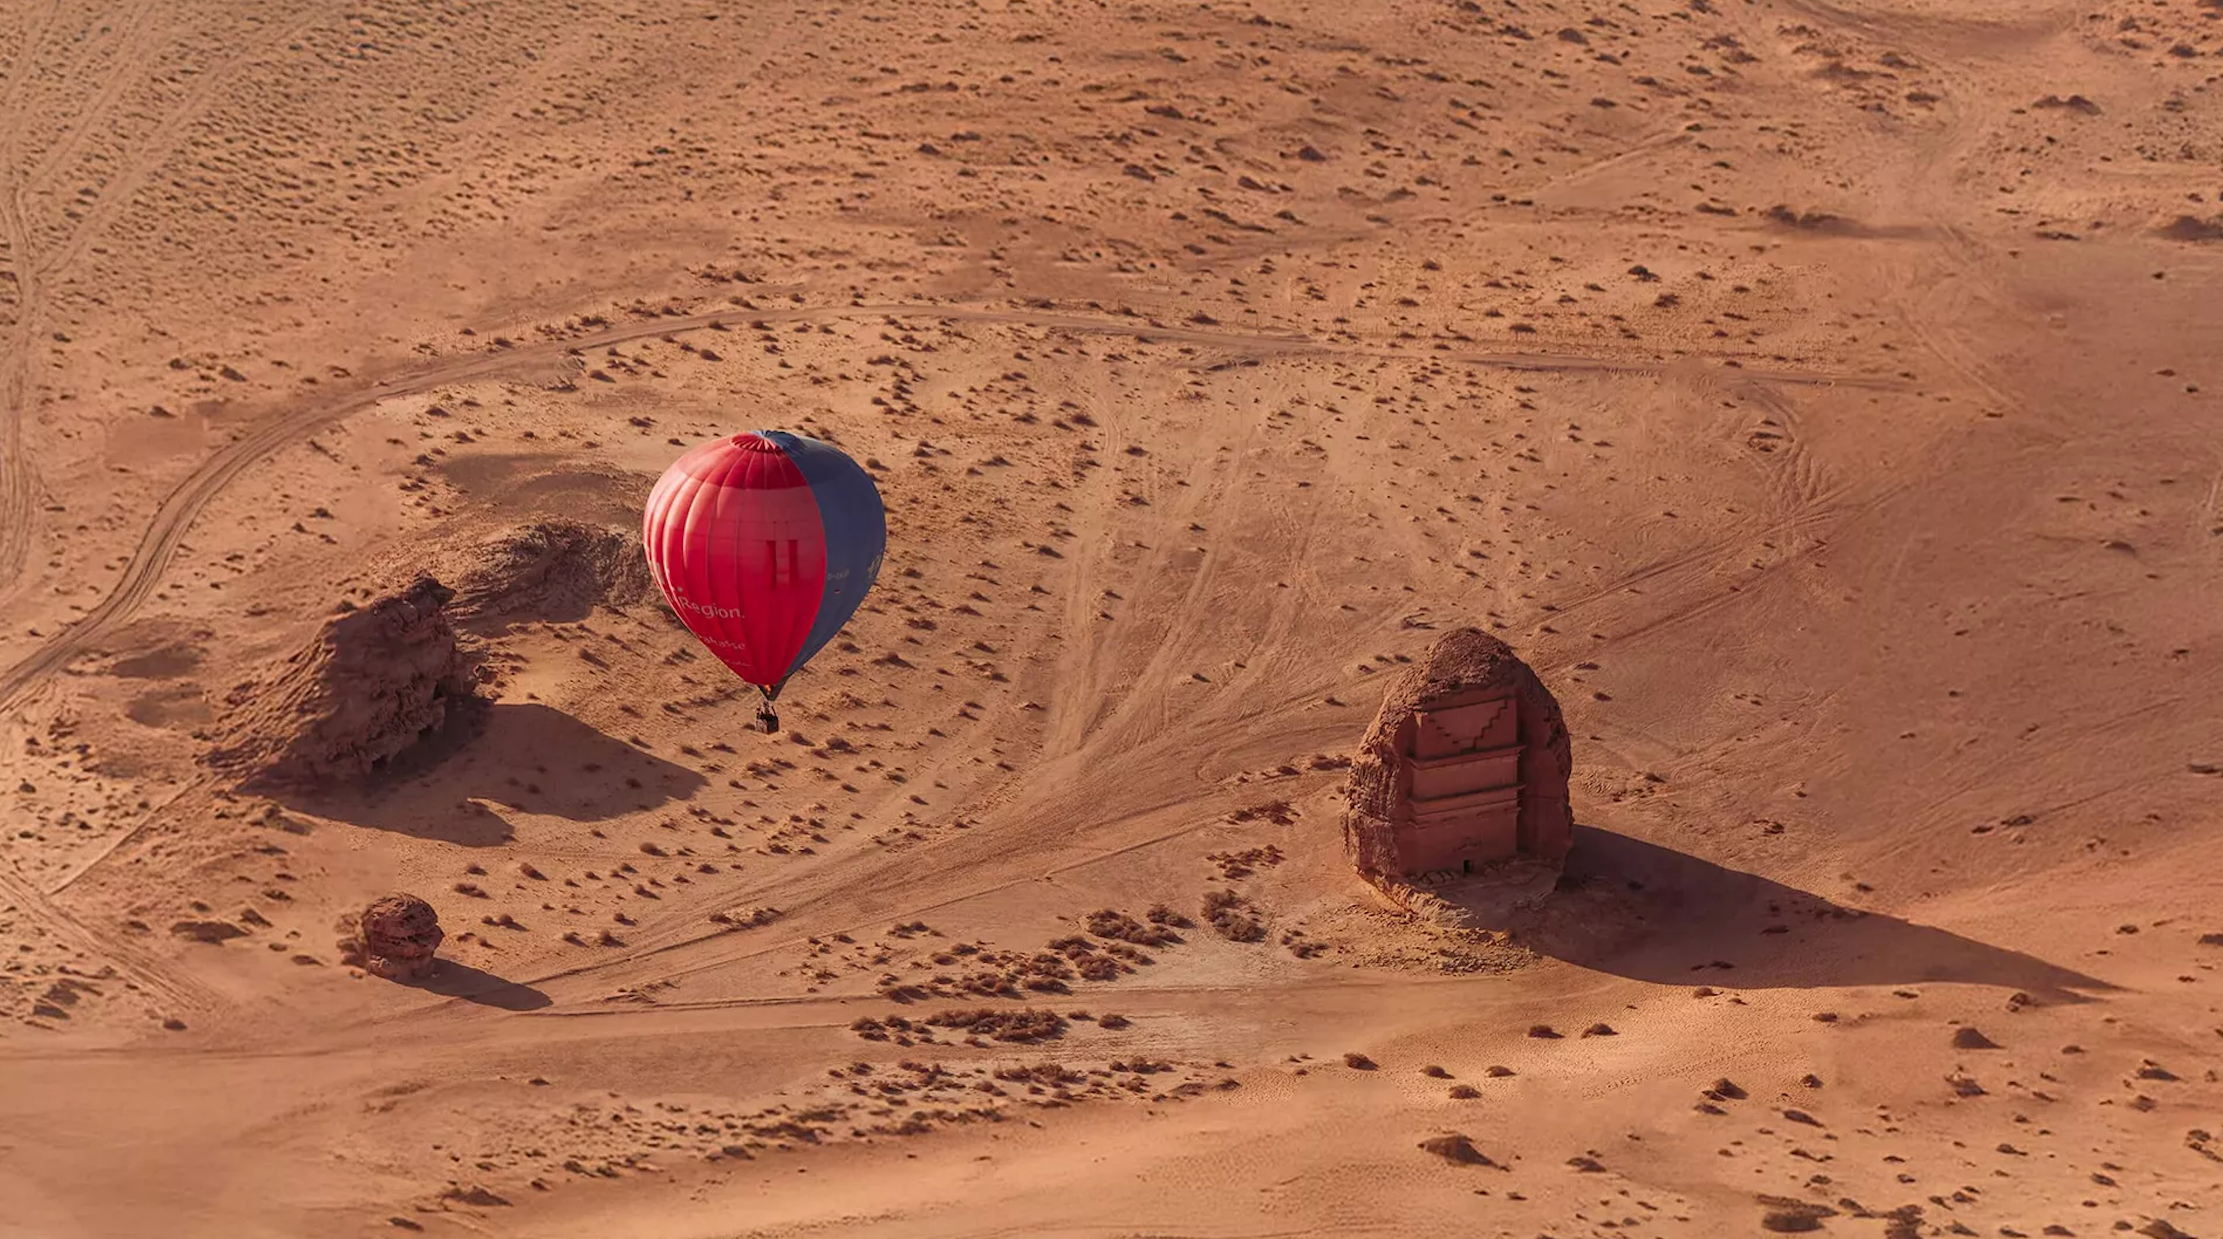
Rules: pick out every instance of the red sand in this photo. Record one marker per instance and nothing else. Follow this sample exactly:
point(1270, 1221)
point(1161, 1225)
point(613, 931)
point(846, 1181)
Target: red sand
point(1821, 397)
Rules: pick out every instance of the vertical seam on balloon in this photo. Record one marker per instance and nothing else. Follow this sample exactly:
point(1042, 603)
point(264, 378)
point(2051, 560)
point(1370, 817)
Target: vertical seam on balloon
point(818, 513)
point(678, 564)
point(649, 528)
point(653, 523)
point(731, 474)
point(696, 569)
point(772, 619)
point(754, 469)
point(662, 552)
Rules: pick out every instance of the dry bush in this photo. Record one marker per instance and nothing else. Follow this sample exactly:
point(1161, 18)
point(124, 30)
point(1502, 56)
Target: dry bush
point(1120, 927)
point(1087, 960)
point(1026, 1024)
point(1279, 812)
point(1047, 1074)
point(1242, 864)
point(1233, 916)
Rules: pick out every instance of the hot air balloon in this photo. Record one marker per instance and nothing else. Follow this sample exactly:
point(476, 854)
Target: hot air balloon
point(764, 543)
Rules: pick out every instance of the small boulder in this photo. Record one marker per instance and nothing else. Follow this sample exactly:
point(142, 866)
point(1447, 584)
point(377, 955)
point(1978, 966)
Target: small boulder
point(397, 937)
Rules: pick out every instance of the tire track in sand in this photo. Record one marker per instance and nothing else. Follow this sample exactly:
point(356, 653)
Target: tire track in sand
point(31, 269)
point(148, 156)
point(15, 391)
point(16, 261)
point(120, 67)
point(185, 502)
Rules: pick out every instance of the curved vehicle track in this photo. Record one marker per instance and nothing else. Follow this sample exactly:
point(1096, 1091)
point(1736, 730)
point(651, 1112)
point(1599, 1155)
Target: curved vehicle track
point(186, 501)
point(16, 350)
point(33, 268)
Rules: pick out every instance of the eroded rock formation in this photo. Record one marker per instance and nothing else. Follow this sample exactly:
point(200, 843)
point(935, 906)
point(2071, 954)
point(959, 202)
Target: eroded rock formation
point(1465, 766)
point(397, 937)
point(373, 682)
point(549, 570)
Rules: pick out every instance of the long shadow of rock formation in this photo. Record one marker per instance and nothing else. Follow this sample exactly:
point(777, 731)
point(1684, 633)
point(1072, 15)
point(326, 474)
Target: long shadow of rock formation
point(1639, 910)
point(517, 755)
point(458, 980)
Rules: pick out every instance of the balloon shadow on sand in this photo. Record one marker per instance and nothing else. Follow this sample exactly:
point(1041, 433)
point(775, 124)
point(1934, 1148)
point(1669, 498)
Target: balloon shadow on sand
point(497, 757)
point(1635, 909)
point(456, 980)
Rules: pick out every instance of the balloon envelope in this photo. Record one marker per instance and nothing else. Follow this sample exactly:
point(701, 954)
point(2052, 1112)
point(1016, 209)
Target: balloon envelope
point(764, 543)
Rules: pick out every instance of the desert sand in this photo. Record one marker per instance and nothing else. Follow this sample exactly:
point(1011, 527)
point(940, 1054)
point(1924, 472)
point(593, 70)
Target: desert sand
point(1825, 398)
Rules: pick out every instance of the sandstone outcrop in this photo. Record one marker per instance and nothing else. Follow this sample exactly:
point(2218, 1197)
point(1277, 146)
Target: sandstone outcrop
point(397, 937)
point(549, 570)
point(1465, 767)
point(373, 682)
